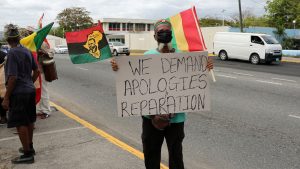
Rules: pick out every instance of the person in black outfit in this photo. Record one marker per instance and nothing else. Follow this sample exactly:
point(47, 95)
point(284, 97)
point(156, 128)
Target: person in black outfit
point(20, 72)
point(3, 119)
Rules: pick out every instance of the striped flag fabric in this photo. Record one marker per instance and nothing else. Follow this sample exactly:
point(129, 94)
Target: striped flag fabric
point(186, 32)
point(40, 22)
point(88, 45)
point(34, 42)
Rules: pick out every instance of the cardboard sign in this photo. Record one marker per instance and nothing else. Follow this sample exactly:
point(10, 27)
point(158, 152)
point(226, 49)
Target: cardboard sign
point(162, 84)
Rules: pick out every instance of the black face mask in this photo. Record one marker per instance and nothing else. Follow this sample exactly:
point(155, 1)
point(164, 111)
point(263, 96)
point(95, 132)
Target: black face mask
point(164, 36)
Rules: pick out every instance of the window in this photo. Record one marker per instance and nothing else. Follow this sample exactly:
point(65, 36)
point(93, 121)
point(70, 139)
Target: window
point(151, 27)
point(270, 40)
point(130, 27)
point(114, 26)
point(124, 27)
point(122, 40)
point(140, 27)
point(148, 27)
point(256, 39)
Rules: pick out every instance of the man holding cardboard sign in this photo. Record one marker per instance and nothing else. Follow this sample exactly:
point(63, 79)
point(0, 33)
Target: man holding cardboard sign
point(160, 87)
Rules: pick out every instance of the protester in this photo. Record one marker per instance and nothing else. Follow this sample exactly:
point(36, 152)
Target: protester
point(3, 118)
point(44, 54)
point(169, 126)
point(20, 72)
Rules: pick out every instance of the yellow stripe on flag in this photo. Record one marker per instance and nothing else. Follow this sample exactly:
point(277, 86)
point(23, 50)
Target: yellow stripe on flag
point(178, 32)
point(29, 43)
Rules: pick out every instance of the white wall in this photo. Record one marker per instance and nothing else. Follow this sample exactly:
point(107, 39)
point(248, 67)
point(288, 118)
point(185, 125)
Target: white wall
point(140, 41)
point(54, 41)
point(209, 33)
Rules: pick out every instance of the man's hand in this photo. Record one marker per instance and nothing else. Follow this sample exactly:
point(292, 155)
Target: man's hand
point(210, 64)
point(5, 104)
point(114, 65)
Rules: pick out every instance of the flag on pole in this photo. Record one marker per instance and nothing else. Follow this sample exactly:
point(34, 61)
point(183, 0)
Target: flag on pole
point(186, 32)
point(40, 23)
point(89, 45)
point(34, 42)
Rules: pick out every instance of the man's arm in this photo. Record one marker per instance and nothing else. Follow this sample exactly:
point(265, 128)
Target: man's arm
point(35, 75)
point(11, 83)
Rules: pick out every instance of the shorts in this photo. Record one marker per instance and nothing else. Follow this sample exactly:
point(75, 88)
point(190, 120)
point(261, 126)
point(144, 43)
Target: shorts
point(22, 110)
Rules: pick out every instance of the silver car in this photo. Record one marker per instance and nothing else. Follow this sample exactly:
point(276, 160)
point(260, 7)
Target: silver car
point(61, 49)
point(117, 48)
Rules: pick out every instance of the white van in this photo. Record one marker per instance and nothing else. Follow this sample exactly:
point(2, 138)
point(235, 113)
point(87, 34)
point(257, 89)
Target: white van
point(256, 48)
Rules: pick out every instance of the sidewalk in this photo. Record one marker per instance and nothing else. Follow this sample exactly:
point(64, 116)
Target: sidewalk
point(291, 59)
point(60, 142)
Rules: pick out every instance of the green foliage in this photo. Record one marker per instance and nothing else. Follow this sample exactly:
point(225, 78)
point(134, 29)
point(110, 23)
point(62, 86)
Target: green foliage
point(256, 21)
point(288, 43)
point(281, 13)
point(59, 31)
point(248, 21)
point(207, 22)
point(75, 18)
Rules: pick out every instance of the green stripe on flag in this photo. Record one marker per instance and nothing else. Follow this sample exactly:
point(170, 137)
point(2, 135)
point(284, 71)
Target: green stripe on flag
point(83, 58)
point(41, 35)
point(105, 53)
point(88, 58)
point(174, 44)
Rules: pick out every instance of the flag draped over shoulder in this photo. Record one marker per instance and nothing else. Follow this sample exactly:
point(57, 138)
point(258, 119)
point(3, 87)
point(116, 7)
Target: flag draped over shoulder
point(34, 42)
point(186, 32)
point(89, 45)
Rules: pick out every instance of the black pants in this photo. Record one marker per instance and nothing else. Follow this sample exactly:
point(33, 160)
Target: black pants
point(2, 111)
point(152, 142)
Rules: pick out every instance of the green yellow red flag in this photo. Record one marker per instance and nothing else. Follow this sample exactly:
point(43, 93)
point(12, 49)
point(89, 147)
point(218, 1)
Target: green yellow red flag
point(34, 42)
point(186, 32)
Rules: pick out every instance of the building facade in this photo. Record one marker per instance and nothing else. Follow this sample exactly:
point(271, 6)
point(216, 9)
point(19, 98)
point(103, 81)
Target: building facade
point(137, 34)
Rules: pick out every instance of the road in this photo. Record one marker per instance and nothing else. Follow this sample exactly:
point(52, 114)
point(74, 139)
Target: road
point(254, 121)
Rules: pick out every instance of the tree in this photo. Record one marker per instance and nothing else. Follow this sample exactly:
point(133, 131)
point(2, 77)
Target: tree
point(256, 21)
point(59, 31)
point(247, 13)
point(75, 18)
point(206, 22)
point(281, 14)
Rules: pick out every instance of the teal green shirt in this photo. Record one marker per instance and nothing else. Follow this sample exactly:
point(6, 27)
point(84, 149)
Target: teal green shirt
point(179, 117)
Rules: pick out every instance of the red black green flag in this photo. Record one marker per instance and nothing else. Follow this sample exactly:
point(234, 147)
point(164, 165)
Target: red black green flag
point(89, 45)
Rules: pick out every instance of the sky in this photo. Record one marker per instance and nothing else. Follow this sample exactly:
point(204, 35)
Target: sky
point(27, 12)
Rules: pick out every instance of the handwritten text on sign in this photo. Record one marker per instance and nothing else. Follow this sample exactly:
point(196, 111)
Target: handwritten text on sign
point(162, 84)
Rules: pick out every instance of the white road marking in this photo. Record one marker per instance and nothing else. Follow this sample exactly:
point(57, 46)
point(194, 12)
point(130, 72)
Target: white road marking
point(232, 77)
point(285, 80)
point(81, 68)
point(298, 117)
point(44, 133)
point(262, 81)
point(244, 74)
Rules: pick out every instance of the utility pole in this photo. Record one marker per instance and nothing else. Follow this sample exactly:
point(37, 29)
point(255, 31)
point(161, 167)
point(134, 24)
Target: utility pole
point(241, 18)
point(223, 15)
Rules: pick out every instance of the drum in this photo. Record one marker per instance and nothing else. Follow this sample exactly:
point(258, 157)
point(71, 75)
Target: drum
point(49, 69)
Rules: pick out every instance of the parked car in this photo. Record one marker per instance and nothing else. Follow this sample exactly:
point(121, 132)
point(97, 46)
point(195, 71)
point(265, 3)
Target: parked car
point(61, 49)
point(117, 48)
point(255, 48)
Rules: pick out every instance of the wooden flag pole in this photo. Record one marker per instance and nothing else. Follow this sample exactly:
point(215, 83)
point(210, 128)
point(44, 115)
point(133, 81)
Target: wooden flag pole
point(204, 47)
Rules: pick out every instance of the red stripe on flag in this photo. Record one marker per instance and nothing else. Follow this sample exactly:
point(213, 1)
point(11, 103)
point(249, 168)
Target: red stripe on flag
point(198, 25)
point(81, 36)
point(38, 91)
point(191, 30)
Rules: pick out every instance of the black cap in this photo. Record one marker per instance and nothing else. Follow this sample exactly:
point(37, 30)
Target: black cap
point(12, 31)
